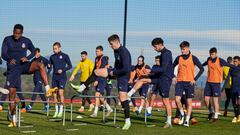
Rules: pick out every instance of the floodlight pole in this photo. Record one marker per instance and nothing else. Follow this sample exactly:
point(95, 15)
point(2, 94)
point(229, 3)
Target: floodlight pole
point(125, 23)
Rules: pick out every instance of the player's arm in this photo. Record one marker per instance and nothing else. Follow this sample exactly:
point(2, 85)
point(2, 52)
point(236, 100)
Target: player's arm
point(49, 66)
point(75, 71)
point(69, 63)
point(224, 63)
point(4, 52)
point(164, 65)
point(126, 67)
point(31, 48)
point(46, 62)
point(199, 65)
point(206, 62)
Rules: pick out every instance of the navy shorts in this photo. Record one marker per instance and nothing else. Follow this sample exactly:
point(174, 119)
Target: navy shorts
point(164, 85)
point(102, 84)
point(122, 84)
point(184, 87)
point(14, 74)
point(59, 83)
point(130, 86)
point(143, 90)
point(212, 89)
point(155, 89)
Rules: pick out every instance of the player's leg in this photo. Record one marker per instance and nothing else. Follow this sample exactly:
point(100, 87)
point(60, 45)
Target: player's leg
point(43, 98)
point(61, 87)
point(133, 101)
point(228, 98)
point(122, 85)
point(184, 101)
point(178, 94)
point(108, 93)
point(164, 90)
point(12, 82)
point(207, 100)
point(216, 94)
point(55, 99)
point(34, 96)
point(61, 100)
point(189, 90)
point(84, 85)
point(138, 85)
point(235, 107)
point(38, 66)
point(101, 87)
point(153, 95)
point(12, 97)
point(55, 83)
point(97, 104)
point(143, 93)
point(21, 97)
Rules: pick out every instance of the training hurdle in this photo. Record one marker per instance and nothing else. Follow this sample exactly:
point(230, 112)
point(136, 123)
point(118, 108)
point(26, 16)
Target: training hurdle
point(30, 126)
point(19, 116)
point(103, 117)
point(145, 111)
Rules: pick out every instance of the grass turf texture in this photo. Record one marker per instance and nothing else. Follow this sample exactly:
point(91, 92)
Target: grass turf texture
point(91, 126)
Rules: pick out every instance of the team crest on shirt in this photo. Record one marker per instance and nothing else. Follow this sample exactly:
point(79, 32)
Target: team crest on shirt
point(118, 58)
point(60, 57)
point(23, 45)
point(8, 83)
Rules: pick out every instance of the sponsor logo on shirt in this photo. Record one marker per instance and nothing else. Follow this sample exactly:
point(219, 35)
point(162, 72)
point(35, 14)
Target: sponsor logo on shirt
point(60, 57)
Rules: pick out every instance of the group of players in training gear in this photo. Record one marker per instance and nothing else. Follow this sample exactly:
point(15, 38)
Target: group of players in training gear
point(148, 81)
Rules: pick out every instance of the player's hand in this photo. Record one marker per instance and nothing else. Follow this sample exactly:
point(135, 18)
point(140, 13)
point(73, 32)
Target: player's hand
point(60, 71)
point(49, 65)
point(111, 73)
point(12, 62)
point(95, 83)
point(130, 81)
point(71, 78)
point(193, 82)
point(148, 71)
point(174, 80)
point(24, 59)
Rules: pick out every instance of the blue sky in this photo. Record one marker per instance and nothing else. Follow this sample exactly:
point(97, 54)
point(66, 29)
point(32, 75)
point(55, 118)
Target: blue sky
point(83, 24)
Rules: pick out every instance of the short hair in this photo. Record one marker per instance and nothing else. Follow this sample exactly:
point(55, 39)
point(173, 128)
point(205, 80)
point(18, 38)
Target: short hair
point(229, 59)
point(213, 50)
point(184, 44)
point(37, 50)
point(236, 58)
point(18, 26)
point(157, 41)
point(99, 48)
point(142, 57)
point(113, 38)
point(157, 57)
point(83, 53)
point(57, 44)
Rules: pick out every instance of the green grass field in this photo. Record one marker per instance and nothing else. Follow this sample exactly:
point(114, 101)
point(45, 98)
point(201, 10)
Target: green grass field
point(91, 126)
